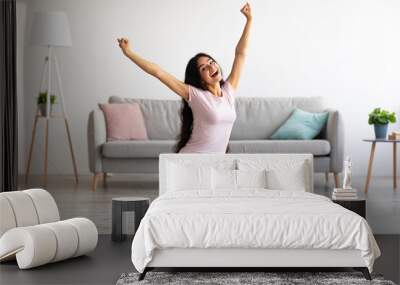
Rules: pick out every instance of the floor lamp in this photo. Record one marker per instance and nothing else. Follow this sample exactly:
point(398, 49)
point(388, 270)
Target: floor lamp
point(50, 29)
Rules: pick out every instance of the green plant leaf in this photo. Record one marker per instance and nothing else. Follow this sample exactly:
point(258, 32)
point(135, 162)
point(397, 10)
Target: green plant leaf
point(42, 98)
point(381, 117)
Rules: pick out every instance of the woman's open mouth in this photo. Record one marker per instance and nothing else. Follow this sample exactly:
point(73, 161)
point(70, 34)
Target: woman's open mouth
point(215, 73)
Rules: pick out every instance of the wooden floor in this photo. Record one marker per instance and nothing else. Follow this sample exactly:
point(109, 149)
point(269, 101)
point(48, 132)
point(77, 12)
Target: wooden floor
point(110, 259)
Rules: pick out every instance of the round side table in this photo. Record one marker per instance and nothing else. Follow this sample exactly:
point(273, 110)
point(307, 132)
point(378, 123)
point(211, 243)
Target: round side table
point(127, 212)
point(371, 160)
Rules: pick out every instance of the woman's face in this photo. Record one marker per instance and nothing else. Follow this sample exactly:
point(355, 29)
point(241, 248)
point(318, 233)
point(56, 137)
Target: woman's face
point(209, 70)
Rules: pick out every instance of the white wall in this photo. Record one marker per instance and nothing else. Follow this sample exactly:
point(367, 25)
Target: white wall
point(344, 50)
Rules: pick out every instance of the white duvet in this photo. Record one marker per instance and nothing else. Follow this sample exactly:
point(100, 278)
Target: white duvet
point(250, 219)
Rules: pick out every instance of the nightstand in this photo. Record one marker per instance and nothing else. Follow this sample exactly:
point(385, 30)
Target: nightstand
point(358, 206)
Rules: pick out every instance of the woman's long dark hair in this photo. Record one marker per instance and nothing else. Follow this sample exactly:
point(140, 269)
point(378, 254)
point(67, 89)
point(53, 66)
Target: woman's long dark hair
point(193, 78)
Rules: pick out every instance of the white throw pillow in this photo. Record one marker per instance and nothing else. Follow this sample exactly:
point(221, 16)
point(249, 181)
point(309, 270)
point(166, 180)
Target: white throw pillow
point(183, 177)
point(293, 178)
point(280, 174)
point(251, 178)
point(223, 179)
point(229, 179)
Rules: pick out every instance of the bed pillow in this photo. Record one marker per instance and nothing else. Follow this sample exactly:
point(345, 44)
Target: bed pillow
point(124, 122)
point(223, 179)
point(292, 179)
point(229, 179)
point(251, 178)
point(301, 125)
point(290, 175)
point(182, 177)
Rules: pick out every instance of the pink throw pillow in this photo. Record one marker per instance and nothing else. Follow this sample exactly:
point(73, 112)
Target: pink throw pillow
point(124, 121)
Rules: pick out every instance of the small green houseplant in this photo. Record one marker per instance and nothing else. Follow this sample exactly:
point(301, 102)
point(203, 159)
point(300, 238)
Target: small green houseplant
point(381, 118)
point(42, 102)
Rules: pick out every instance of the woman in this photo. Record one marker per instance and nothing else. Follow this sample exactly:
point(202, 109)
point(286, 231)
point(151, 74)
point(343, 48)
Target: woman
point(208, 111)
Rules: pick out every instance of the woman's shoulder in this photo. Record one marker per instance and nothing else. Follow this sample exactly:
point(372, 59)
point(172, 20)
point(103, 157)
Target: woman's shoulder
point(195, 92)
point(195, 89)
point(228, 87)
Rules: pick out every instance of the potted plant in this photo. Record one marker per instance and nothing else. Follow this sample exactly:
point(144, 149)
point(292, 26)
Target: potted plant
point(42, 103)
point(380, 119)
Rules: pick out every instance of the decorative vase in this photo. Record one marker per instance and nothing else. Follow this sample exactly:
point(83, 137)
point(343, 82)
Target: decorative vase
point(43, 109)
point(380, 131)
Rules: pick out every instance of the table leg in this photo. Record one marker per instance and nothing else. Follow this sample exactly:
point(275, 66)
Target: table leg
point(371, 160)
point(116, 221)
point(394, 166)
point(336, 176)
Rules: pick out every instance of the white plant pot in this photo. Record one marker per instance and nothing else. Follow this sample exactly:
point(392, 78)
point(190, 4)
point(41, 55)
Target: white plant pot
point(43, 109)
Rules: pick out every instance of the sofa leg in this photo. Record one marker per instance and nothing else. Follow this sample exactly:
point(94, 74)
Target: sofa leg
point(326, 177)
point(105, 179)
point(336, 175)
point(96, 177)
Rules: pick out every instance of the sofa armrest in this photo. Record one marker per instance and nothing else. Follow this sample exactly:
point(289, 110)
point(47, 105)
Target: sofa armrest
point(335, 136)
point(97, 136)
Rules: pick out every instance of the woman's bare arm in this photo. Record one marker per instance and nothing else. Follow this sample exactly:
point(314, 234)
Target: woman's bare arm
point(153, 69)
point(241, 48)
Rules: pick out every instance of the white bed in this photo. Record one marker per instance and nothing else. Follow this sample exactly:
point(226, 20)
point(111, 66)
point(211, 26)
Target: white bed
point(202, 220)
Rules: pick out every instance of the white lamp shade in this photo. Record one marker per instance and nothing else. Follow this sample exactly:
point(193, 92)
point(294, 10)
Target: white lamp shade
point(50, 29)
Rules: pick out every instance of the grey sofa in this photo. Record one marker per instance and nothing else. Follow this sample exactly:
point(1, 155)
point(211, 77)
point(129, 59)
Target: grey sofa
point(257, 119)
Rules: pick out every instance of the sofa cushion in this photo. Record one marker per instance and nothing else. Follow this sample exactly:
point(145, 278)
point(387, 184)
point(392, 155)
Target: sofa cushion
point(161, 117)
point(133, 149)
point(124, 122)
point(258, 118)
point(301, 125)
point(315, 147)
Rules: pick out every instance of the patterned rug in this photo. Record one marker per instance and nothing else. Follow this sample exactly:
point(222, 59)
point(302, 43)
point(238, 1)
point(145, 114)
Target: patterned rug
point(243, 278)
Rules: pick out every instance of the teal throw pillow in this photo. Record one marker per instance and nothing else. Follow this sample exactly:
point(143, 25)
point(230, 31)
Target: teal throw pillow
point(301, 125)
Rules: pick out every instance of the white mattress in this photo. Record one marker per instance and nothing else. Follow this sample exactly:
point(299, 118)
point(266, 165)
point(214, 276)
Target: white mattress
point(251, 219)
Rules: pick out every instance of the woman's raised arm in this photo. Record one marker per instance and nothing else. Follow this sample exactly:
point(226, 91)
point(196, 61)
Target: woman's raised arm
point(153, 69)
point(241, 48)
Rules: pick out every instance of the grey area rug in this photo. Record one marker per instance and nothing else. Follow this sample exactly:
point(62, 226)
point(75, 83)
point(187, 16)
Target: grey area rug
point(229, 278)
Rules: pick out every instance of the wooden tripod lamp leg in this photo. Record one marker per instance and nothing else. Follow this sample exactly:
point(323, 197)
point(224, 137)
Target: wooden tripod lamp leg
point(71, 150)
point(60, 89)
point(46, 151)
point(31, 150)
